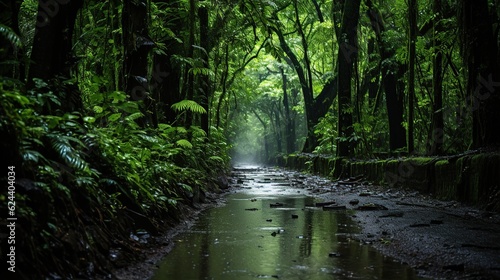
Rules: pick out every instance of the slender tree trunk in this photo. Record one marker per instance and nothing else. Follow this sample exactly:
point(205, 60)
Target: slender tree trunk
point(347, 55)
point(437, 133)
point(266, 135)
point(225, 74)
point(205, 80)
point(390, 76)
point(289, 128)
point(166, 79)
point(411, 71)
point(136, 50)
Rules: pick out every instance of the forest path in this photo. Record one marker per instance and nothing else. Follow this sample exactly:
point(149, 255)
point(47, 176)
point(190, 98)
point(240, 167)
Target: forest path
point(253, 234)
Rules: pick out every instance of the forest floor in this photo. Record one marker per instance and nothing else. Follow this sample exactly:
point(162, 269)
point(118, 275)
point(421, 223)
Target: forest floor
point(439, 239)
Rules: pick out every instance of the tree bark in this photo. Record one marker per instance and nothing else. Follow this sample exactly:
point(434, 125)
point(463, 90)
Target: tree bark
point(480, 54)
point(52, 55)
point(390, 76)
point(412, 13)
point(166, 80)
point(205, 90)
point(289, 125)
point(346, 57)
point(437, 132)
point(137, 45)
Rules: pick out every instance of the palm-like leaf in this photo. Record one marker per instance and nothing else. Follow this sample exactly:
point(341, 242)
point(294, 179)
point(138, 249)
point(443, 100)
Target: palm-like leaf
point(11, 36)
point(189, 105)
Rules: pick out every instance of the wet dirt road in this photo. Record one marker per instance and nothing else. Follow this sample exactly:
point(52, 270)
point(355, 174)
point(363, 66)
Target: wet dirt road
point(271, 227)
point(437, 239)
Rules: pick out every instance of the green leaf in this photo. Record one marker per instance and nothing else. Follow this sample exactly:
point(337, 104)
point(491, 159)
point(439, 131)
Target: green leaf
point(98, 109)
point(188, 105)
point(89, 119)
point(114, 117)
point(184, 143)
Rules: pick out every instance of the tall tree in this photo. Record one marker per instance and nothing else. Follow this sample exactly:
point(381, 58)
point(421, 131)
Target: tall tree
point(137, 45)
point(205, 89)
point(52, 56)
point(480, 54)
point(346, 57)
point(315, 107)
point(289, 122)
point(167, 71)
point(391, 73)
point(412, 37)
point(437, 132)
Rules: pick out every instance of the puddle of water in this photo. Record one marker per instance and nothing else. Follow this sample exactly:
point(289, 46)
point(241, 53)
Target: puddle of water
point(290, 242)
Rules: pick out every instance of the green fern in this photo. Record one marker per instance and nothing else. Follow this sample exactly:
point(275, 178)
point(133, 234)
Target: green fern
point(184, 143)
point(11, 36)
point(61, 144)
point(188, 105)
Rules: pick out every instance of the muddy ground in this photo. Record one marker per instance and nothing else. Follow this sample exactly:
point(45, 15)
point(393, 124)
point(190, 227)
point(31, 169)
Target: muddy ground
point(440, 239)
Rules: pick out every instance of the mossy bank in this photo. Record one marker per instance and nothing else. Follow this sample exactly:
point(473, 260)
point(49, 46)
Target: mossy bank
point(470, 178)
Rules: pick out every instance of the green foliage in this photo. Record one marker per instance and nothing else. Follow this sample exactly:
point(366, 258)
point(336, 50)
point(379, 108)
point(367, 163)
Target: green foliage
point(11, 36)
point(189, 105)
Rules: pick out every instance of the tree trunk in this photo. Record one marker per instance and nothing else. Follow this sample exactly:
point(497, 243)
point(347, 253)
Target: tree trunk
point(205, 80)
point(437, 132)
point(346, 57)
point(166, 79)
point(52, 55)
point(394, 97)
point(412, 13)
point(315, 108)
point(480, 54)
point(137, 45)
point(289, 126)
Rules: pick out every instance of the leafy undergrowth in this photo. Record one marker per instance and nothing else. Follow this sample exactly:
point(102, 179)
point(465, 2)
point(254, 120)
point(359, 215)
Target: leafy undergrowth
point(87, 187)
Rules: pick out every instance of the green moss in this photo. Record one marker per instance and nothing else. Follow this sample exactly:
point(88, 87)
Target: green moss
point(473, 179)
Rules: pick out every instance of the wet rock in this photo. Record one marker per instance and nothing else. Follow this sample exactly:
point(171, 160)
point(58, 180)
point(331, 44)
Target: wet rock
point(371, 207)
point(334, 207)
point(321, 204)
point(364, 194)
point(274, 233)
point(395, 214)
point(354, 202)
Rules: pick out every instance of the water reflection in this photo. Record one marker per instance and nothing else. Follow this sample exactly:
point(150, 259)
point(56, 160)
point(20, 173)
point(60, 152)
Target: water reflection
point(233, 242)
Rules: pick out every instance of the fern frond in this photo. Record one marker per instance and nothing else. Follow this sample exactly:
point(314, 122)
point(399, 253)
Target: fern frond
point(184, 143)
point(61, 144)
point(11, 36)
point(188, 105)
